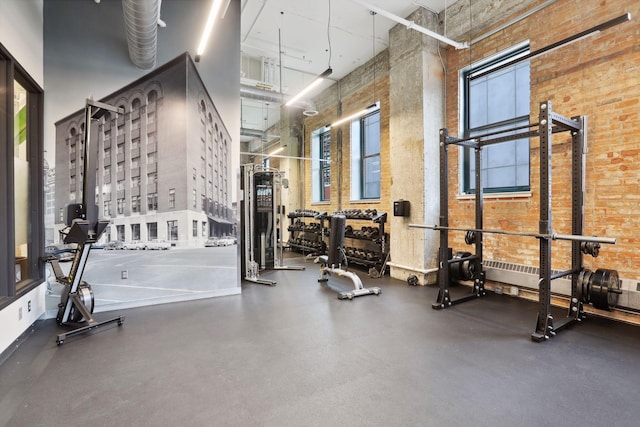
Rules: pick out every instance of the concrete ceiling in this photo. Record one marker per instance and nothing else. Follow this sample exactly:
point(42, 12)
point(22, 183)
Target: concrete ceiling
point(304, 37)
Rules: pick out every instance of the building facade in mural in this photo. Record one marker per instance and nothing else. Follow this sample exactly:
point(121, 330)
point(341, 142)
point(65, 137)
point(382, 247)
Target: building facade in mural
point(163, 167)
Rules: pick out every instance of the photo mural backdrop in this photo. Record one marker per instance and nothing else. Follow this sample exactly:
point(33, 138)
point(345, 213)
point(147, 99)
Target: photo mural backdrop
point(166, 175)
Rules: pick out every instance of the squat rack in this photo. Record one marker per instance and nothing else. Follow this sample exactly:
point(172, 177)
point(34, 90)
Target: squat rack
point(549, 123)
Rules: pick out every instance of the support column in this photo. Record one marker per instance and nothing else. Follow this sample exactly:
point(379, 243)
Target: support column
point(416, 116)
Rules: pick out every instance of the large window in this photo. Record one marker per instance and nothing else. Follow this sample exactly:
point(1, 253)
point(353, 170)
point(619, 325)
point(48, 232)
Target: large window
point(497, 100)
point(365, 157)
point(321, 165)
point(21, 180)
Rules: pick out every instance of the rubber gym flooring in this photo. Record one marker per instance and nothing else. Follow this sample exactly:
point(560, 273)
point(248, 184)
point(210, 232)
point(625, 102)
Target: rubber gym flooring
point(295, 355)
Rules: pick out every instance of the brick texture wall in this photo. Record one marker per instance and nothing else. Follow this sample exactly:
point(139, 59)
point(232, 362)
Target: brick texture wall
point(357, 93)
point(599, 77)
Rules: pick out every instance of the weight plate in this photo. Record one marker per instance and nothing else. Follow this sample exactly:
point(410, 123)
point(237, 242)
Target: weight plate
point(600, 283)
point(461, 270)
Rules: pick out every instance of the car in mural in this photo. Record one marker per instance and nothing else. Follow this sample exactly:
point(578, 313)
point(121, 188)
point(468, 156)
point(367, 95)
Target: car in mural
point(63, 252)
point(113, 245)
point(133, 245)
point(158, 245)
point(226, 241)
point(211, 242)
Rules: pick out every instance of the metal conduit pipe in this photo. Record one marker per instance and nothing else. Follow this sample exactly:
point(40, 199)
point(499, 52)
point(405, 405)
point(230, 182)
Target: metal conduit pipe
point(252, 92)
point(411, 25)
point(141, 23)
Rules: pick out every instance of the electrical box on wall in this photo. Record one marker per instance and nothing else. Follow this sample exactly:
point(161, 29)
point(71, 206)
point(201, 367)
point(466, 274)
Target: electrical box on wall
point(401, 208)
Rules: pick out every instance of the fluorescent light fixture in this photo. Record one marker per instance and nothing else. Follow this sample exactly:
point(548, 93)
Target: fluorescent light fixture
point(354, 116)
point(277, 150)
point(310, 87)
point(215, 8)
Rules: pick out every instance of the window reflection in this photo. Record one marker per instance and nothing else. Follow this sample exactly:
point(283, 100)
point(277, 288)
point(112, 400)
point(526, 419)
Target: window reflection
point(21, 181)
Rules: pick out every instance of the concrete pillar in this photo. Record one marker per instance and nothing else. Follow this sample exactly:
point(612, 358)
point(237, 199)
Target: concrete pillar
point(416, 116)
point(292, 135)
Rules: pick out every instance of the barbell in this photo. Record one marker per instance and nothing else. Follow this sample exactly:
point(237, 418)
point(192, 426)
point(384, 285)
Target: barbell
point(552, 236)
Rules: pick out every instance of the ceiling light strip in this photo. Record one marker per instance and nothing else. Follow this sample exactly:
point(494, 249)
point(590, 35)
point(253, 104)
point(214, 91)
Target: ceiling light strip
point(310, 87)
point(215, 8)
point(371, 108)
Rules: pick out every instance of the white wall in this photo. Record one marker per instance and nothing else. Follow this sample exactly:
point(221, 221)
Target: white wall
point(18, 316)
point(21, 33)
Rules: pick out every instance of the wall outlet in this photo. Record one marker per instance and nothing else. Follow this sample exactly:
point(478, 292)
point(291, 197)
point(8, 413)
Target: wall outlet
point(29, 306)
point(19, 313)
point(497, 289)
point(514, 291)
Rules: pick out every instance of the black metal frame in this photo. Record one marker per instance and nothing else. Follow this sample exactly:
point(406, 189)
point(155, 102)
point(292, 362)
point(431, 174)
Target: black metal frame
point(85, 229)
point(549, 123)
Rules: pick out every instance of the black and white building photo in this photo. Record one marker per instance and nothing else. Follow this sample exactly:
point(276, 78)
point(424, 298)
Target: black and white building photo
point(163, 169)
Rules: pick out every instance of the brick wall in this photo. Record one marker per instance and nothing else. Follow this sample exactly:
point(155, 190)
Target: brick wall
point(598, 77)
point(357, 91)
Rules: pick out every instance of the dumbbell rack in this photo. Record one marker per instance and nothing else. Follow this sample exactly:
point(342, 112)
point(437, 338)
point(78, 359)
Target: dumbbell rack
point(307, 237)
point(367, 246)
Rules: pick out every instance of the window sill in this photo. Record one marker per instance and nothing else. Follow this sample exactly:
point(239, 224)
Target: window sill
point(516, 195)
point(365, 201)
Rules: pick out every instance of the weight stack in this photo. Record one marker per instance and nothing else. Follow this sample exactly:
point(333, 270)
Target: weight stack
point(336, 240)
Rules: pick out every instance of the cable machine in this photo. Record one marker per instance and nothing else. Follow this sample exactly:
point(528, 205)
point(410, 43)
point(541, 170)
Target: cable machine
point(600, 288)
point(77, 301)
point(263, 214)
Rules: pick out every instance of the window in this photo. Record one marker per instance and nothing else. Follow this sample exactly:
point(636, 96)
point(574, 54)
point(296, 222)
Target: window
point(321, 167)
point(21, 169)
point(135, 203)
point(204, 228)
point(172, 198)
point(194, 228)
point(495, 101)
point(152, 230)
point(120, 206)
point(107, 209)
point(120, 232)
point(135, 231)
point(152, 201)
point(365, 157)
point(194, 194)
point(172, 230)
point(151, 158)
point(135, 181)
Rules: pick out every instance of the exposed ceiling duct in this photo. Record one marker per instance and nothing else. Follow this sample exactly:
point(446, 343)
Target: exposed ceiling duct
point(141, 21)
point(253, 92)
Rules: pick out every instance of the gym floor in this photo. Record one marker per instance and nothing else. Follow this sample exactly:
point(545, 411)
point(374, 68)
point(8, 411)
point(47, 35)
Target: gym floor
point(295, 355)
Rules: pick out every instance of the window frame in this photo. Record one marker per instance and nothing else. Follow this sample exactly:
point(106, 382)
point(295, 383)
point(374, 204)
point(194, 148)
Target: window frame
point(10, 71)
point(467, 157)
point(320, 164)
point(358, 157)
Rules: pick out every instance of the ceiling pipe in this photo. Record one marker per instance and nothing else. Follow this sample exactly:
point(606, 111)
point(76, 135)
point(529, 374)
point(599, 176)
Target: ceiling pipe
point(411, 25)
point(253, 92)
point(141, 22)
